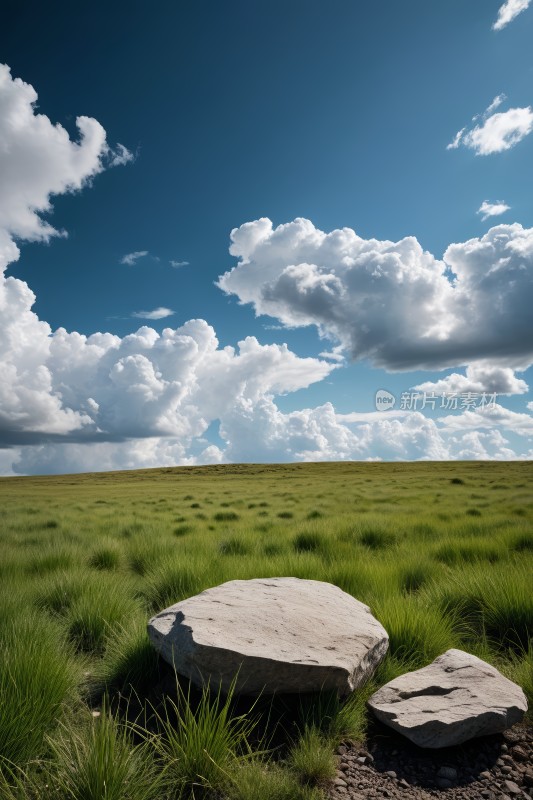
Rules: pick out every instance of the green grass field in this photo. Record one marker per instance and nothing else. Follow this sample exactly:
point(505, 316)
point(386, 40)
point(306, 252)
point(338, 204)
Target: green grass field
point(442, 552)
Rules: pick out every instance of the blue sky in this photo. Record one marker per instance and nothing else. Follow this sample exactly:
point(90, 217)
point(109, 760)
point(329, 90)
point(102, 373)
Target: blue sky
point(340, 113)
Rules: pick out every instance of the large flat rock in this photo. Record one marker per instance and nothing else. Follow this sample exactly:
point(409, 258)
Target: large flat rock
point(275, 634)
point(455, 698)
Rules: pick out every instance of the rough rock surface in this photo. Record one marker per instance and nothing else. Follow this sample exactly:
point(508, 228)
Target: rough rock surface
point(456, 698)
point(498, 767)
point(275, 634)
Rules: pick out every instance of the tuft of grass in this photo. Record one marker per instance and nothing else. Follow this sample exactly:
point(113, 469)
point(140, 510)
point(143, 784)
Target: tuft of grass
point(417, 633)
point(412, 577)
point(101, 608)
point(37, 675)
point(130, 662)
point(310, 542)
point(106, 557)
point(377, 539)
point(258, 780)
point(457, 481)
point(145, 553)
point(170, 582)
point(98, 760)
point(199, 746)
point(234, 547)
point(52, 558)
point(58, 593)
point(522, 543)
point(479, 601)
point(312, 757)
point(183, 530)
point(226, 516)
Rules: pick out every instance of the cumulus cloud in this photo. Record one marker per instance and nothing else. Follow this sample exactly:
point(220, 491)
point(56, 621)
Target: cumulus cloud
point(178, 264)
point(487, 209)
point(508, 11)
point(392, 302)
point(479, 378)
point(38, 159)
point(493, 417)
point(147, 384)
point(131, 258)
point(157, 313)
point(494, 132)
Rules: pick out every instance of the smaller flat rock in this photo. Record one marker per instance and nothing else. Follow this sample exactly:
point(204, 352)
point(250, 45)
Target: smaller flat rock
point(453, 699)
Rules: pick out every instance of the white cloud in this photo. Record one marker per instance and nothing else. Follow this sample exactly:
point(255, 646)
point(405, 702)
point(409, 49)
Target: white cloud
point(495, 132)
point(482, 445)
point(120, 156)
point(38, 159)
point(131, 258)
point(480, 377)
point(500, 132)
point(487, 209)
point(456, 141)
point(392, 302)
point(496, 103)
point(335, 354)
point(178, 264)
point(508, 11)
point(157, 313)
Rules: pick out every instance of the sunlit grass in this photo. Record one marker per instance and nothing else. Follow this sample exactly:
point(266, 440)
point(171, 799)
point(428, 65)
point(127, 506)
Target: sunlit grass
point(37, 675)
point(441, 553)
point(97, 759)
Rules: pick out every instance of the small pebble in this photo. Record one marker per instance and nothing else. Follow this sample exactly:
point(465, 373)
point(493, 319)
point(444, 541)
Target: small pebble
point(447, 772)
point(512, 787)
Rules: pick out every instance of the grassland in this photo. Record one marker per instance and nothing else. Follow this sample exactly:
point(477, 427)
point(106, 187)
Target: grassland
point(443, 554)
